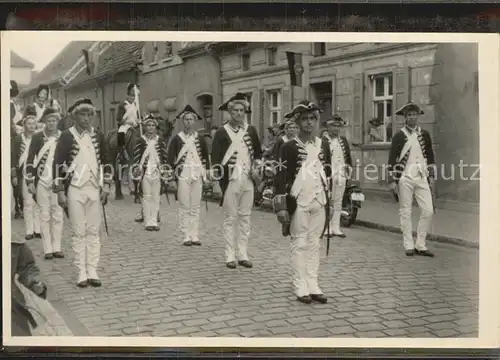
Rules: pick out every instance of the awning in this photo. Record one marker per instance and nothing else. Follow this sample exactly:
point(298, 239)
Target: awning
point(169, 104)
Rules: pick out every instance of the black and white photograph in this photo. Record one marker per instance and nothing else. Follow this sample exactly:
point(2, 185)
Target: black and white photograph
point(261, 187)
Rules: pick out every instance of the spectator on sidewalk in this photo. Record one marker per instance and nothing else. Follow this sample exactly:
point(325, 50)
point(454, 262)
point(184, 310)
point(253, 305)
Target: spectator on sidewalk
point(23, 264)
point(411, 173)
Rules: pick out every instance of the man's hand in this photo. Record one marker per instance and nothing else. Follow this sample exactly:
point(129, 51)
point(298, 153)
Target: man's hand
point(39, 288)
point(31, 188)
point(330, 213)
point(104, 195)
point(14, 181)
point(283, 216)
point(62, 200)
point(394, 187)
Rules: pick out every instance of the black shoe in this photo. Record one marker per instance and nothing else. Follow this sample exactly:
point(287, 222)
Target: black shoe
point(49, 256)
point(150, 228)
point(29, 237)
point(245, 263)
point(187, 243)
point(58, 255)
point(38, 235)
point(410, 252)
point(156, 228)
point(139, 220)
point(322, 299)
point(304, 299)
point(196, 243)
point(424, 253)
point(231, 264)
point(83, 284)
point(95, 282)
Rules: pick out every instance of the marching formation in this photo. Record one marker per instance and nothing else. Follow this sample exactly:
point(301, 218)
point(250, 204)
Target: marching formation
point(67, 175)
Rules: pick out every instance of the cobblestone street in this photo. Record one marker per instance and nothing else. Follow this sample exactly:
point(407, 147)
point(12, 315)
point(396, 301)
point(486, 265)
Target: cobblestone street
point(154, 286)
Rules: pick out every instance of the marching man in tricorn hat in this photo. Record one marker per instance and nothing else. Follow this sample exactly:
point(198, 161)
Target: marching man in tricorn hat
point(19, 160)
point(40, 181)
point(236, 156)
point(411, 173)
point(82, 180)
point(341, 168)
point(188, 158)
point(150, 161)
point(301, 201)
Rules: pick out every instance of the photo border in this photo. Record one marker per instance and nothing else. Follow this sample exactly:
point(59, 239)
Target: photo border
point(489, 254)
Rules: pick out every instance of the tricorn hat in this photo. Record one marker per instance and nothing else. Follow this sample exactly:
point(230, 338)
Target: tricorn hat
point(336, 120)
point(29, 112)
point(42, 87)
point(411, 106)
point(48, 112)
point(303, 107)
point(239, 97)
point(149, 118)
point(82, 104)
point(14, 89)
point(130, 86)
point(375, 122)
point(189, 109)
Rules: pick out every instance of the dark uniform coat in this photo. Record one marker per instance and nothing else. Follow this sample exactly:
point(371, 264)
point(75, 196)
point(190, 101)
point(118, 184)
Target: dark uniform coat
point(140, 148)
point(221, 144)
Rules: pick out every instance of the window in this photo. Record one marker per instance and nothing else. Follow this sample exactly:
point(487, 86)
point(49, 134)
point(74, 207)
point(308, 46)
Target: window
point(245, 61)
point(274, 101)
point(155, 51)
point(168, 49)
point(271, 56)
point(319, 49)
point(380, 125)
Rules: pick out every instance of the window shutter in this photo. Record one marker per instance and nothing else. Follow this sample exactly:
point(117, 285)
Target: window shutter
point(401, 93)
point(357, 111)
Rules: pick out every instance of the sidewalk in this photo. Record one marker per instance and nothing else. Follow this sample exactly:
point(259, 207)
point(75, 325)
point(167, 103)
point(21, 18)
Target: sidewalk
point(448, 226)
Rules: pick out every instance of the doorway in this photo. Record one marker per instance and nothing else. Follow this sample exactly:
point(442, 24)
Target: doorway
point(323, 96)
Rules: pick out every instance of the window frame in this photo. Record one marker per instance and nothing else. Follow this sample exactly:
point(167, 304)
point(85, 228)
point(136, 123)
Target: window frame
point(155, 57)
point(272, 50)
point(243, 55)
point(322, 46)
point(274, 109)
point(388, 77)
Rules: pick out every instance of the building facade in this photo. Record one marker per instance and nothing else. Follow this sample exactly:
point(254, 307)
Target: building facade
point(364, 81)
point(179, 73)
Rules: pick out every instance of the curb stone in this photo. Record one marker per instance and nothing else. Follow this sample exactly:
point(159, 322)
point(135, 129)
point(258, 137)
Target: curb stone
point(378, 226)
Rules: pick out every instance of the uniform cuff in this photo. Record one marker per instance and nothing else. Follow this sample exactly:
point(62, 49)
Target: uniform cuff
point(279, 203)
point(57, 186)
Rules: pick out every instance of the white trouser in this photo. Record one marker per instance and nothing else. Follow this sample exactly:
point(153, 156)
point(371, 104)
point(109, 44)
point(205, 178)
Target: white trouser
point(420, 188)
point(305, 230)
point(238, 203)
point(31, 212)
point(84, 206)
point(51, 218)
point(189, 195)
point(338, 189)
point(151, 188)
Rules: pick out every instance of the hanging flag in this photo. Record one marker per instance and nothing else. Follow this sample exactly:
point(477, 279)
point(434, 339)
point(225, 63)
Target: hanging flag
point(86, 55)
point(295, 68)
point(91, 60)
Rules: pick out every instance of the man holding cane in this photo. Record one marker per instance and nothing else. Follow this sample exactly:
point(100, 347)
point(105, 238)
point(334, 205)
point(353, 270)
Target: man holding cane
point(82, 180)
point(302, 201)
point(411, 173)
